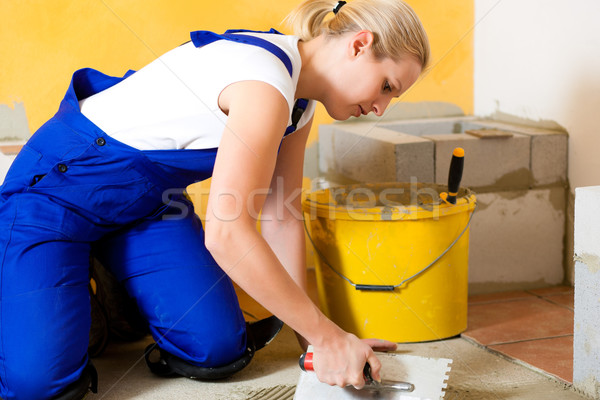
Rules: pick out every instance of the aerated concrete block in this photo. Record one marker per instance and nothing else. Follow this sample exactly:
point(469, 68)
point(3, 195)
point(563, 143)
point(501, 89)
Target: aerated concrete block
point(490, 164)
point(548, 151)
point(365, 152)
point(586, 339)
point(516, 240)
point(548, 158)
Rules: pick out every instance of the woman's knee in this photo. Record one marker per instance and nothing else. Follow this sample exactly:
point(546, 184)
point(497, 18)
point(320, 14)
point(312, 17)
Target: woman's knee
point(215, 343)
point(193, 313)
point(258, 334)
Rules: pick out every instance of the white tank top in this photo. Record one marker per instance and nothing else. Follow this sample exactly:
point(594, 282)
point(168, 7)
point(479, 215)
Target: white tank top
point(172, 103)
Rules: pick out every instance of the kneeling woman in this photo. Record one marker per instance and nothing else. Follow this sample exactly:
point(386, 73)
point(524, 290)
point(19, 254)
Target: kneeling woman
point(106, 175)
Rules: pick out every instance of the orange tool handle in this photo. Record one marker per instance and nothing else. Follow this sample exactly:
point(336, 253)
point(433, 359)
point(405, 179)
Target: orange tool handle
point(306, 362)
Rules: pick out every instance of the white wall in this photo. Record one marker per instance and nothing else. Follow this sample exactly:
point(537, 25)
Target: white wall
point(586, 339)
point(540, 60)
point(5, 162)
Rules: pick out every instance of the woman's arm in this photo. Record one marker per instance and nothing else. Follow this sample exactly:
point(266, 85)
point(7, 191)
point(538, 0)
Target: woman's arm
point(242, 175)
point(281, 218)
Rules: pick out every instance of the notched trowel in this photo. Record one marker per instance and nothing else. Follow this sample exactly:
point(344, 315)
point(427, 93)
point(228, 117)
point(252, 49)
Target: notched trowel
point(404, 377)
point(306, 364)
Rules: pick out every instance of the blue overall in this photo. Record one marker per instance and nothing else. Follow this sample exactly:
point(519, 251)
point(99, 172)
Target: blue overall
point(72, 190)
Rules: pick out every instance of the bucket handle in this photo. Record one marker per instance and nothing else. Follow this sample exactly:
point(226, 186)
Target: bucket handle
point(386, 288)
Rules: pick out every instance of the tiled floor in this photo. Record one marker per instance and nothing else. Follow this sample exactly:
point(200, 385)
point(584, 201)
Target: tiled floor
point(533, 326)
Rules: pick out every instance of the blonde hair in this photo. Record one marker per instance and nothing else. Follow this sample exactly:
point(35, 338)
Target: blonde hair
point(396, 28)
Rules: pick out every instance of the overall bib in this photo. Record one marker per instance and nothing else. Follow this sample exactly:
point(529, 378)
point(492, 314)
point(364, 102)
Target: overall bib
point(73, 189)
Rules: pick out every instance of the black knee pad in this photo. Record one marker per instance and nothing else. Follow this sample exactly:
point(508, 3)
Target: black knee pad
point(259, 334)
point(88, 381)
point(169, 364)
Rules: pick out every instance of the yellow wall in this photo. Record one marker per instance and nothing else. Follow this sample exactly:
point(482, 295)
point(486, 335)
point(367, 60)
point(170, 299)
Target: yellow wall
point(449, 25)
point(43, 42)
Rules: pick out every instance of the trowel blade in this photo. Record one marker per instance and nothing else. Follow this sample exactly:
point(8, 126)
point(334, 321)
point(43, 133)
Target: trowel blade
point(386, 385)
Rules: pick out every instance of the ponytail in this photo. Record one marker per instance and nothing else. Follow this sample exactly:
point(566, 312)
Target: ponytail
point(397, 30)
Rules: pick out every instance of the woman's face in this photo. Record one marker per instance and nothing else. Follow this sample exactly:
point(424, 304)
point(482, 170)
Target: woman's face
point(364, 84)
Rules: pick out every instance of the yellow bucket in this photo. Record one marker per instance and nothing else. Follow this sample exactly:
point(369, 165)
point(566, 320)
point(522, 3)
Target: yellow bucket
point(391, 259)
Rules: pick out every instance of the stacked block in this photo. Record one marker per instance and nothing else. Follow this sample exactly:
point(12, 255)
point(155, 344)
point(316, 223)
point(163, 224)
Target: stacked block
point(362, 151)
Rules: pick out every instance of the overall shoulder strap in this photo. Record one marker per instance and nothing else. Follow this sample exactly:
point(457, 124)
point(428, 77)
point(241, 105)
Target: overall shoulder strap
point(299, 108)
point(202, 38)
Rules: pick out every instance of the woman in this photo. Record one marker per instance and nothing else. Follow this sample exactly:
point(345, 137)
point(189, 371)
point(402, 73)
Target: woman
point(106, 175)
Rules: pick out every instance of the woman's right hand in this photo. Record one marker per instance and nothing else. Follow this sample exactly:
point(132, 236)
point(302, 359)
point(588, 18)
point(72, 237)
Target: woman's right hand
point(340, 359)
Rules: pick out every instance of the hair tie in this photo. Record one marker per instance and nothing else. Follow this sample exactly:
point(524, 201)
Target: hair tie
point(338, 6)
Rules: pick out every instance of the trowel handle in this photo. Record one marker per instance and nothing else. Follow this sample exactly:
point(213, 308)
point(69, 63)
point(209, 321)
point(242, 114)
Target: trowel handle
point(306, 364)
point(455, 174)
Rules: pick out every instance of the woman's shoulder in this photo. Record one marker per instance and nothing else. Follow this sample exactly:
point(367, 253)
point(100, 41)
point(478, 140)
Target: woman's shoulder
point(283, 53)
point(227, 62)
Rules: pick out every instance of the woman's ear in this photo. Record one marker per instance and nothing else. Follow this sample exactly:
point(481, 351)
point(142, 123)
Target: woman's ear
point(360, 43)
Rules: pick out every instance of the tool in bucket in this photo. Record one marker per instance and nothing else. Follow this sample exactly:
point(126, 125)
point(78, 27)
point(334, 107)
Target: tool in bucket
point(454, 176)
point(306, 364)
point(454, 179)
